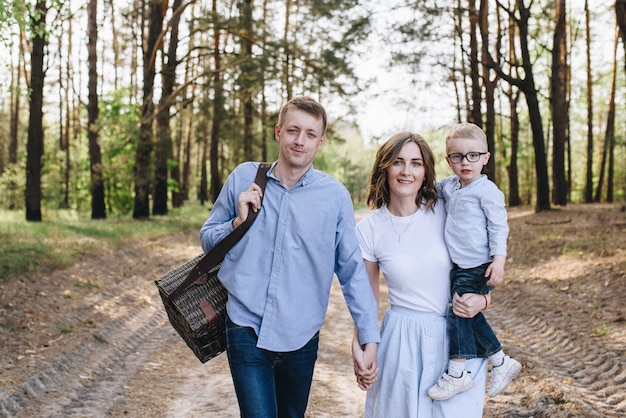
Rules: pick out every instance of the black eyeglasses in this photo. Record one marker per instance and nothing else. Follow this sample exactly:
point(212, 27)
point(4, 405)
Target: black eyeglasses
point(472, 157)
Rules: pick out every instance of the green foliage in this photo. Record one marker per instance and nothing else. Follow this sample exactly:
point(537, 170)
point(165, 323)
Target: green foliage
point(65, 329)
point(66, 238)
point(12, 185)
point(12, 13)
point(602, 331)
point(345, 157)
point(118, 123)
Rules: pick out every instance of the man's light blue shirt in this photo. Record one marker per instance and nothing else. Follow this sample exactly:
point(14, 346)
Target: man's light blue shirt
point(280, 273)
point(476, 226)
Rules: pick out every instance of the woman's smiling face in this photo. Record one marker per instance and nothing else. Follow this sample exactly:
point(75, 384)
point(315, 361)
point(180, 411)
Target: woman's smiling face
point(406, 173)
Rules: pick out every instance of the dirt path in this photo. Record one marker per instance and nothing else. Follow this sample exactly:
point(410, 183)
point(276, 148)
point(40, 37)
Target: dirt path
point(562, 315)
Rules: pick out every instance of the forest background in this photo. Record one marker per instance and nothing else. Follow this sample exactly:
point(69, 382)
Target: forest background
point(112, 108)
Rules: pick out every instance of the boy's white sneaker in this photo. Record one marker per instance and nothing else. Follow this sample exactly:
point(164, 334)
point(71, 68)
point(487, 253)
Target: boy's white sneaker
point(447, 386)
point(503, 375)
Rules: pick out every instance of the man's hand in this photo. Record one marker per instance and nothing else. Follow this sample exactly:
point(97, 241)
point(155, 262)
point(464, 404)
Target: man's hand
point(250, 198)
point(365, 364)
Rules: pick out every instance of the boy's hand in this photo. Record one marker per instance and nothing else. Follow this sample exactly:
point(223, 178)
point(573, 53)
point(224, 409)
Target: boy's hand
point(495, 271)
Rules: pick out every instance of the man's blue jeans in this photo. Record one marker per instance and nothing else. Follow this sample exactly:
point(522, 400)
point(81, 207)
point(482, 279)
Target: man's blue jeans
point(470, 337)
point(269, 384)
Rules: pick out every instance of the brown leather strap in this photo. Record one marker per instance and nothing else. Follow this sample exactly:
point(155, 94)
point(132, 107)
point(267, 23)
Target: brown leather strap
point(217, 253)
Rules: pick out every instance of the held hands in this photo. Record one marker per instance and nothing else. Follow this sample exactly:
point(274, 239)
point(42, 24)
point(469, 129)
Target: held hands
point(365, 367)
point(470, 304)
point(251, 198)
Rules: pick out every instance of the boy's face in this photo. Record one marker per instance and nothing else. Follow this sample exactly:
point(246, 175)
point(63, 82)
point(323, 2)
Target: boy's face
point(466, 149)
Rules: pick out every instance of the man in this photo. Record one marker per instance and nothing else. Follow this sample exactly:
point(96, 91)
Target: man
point(279, 274)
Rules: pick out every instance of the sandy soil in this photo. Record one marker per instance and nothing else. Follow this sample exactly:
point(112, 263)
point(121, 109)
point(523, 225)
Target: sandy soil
point(93, 340)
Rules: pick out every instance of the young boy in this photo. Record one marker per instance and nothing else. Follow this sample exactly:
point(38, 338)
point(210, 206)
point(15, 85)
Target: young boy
point(476, 232)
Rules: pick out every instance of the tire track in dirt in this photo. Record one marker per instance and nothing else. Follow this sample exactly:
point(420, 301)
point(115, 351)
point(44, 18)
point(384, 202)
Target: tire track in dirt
point(568, 368)
point(90, 381)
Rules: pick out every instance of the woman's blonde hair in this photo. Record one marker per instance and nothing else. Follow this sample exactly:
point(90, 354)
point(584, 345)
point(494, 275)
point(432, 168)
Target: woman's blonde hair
point(378, 192)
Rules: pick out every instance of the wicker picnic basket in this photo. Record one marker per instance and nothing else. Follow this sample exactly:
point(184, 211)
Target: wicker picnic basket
point(198, 312)
point(195, 299)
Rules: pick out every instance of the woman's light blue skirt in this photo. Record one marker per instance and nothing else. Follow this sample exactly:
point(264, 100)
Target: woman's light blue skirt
point(412, 355)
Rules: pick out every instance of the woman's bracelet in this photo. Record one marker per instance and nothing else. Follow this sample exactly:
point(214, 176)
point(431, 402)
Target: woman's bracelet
point(486, 302)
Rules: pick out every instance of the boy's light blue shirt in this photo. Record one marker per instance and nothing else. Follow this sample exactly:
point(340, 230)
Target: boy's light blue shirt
point(280, 273)
point(476, 226)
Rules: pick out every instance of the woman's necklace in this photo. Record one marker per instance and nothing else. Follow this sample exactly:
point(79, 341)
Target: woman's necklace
point(399, 235)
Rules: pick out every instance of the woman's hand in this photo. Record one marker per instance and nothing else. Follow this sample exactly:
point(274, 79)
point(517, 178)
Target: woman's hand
point(470, 304)
point(365, 367)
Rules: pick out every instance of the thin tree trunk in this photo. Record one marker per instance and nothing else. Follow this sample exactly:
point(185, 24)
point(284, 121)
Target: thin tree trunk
point(264, 126)
point(248, 72)
point(145, 141)
point(98, 209)
point(218, 109)
point(15, 104)
point(460, 18)
point(115, 44)
point(476, 116)
point(513, 96)
point(35, 145)
point(528, 87)
point(490, 85)
point(65, 134)
point(164, 151)
point(558, 102)
point(609, 136)
point(287, 81)
point(589, 173)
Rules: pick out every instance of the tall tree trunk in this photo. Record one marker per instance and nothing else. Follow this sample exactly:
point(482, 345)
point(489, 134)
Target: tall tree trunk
point(620, 16)
point(202, 191)
point(35, 145)
point(528, 87)
point(98, 209)
point(187, 161)
point(514, 197)
point(143, 155)
point(248, 73)
point(558, 102)
point(490, 86)
point(65, 104)
point(218, 109)
point(609, 137)
point(476, 116)
point(589, 173)
point(459, 32)
point(115, 44)
point(456, 36)
point(15, 103)
point(137, 16)
point(610, 132)
point(164, 151)
point(513, 96)
point(287, 81)
point(264, 125)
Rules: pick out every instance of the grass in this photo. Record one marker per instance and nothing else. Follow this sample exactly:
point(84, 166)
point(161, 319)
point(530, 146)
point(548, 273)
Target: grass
point(63, 237)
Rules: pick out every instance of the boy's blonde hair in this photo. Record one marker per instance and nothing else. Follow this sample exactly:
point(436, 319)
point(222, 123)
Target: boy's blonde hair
point(466, 130)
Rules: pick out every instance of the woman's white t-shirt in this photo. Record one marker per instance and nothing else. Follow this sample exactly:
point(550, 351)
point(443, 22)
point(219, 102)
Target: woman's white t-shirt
point(412, 254)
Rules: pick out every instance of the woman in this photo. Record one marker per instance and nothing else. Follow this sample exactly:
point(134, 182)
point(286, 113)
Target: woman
point(404, 238)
